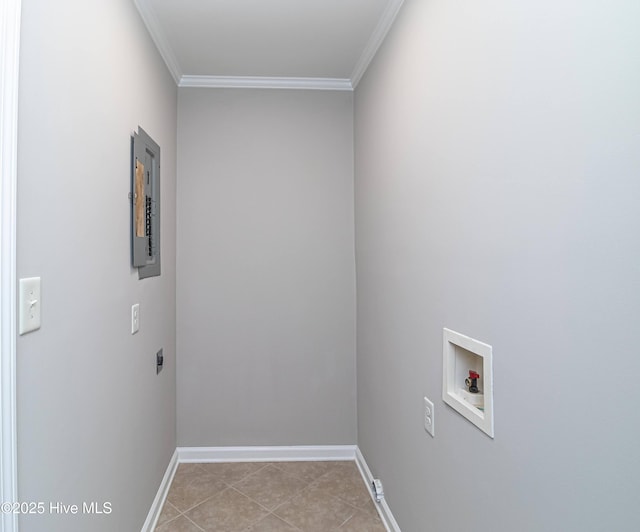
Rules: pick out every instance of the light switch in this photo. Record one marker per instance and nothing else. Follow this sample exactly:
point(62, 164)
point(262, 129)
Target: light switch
point(135, 318)
point(30, 304)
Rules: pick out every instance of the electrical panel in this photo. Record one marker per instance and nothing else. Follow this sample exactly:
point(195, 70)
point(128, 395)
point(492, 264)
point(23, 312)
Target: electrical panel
point(145, 204)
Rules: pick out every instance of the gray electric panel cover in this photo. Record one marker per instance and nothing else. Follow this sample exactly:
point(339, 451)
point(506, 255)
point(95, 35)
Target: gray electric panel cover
point(145, 204)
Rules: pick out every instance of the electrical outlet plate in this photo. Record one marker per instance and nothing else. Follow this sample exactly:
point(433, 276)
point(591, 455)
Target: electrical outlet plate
point(428, 416)
point(135, 318)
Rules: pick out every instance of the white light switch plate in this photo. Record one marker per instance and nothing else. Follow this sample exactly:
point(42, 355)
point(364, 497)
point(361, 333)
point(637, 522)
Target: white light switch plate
point(30, 304)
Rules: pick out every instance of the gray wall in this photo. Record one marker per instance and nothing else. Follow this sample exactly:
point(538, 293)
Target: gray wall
point(266, 302)
point(497, 184)
point(95, 423)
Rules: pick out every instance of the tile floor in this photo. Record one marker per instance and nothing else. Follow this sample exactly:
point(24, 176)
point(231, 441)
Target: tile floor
point(269, 497)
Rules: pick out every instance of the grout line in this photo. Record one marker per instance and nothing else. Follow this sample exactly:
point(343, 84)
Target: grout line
point(252, 500)
point(266, 464)
point(248, 475)
point(289, 500)
point(194, 524)
point(309, 482)
point(288, 473)
point(167, 522)
point(162, 510)
point(271, 510)
point(335, 497)
point(166, 501)
point(345, 521)
point(208, 498)
point(172, 506)
point(359, 508)
point(283, 519)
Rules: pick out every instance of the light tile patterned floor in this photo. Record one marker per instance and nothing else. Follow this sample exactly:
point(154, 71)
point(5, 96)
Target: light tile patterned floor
point(269, 497)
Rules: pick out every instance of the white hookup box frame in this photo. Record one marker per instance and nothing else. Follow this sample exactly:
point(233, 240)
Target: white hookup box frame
point(460, 354)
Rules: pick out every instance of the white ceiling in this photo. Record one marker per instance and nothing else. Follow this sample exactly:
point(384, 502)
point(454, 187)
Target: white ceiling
point(315, 44)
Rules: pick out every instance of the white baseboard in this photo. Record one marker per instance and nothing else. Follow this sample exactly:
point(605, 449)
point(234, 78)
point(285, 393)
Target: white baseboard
point(383, 508)
point(315, 453)
point(158, 502)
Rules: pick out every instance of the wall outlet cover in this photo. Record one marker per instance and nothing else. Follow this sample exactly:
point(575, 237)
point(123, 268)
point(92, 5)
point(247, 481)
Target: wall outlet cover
point(135, 318)
point(429, 417)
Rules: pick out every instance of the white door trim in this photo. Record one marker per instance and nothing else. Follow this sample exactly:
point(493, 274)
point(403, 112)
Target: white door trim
point(9, 63)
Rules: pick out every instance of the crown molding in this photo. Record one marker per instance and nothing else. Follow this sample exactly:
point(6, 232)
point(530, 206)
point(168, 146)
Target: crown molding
point(159, 38)
point(378, 35)
point(161, 41)
point(256, 82)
